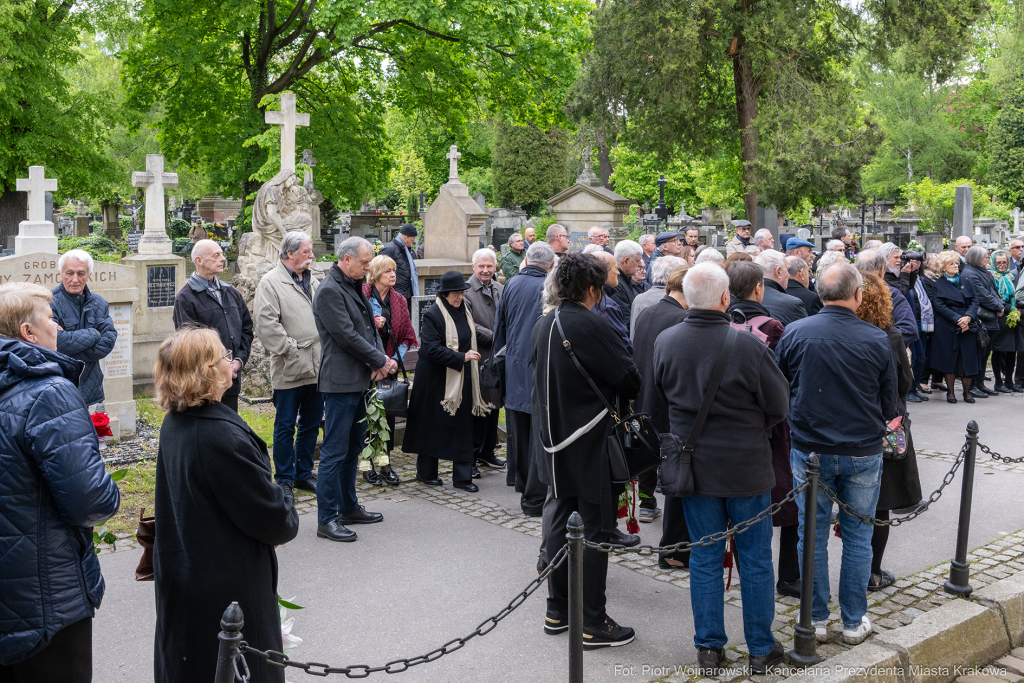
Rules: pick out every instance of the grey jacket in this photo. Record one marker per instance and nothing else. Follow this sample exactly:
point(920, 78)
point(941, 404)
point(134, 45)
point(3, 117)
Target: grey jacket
point(283, 320)
point(484, 309)
point(351, 349)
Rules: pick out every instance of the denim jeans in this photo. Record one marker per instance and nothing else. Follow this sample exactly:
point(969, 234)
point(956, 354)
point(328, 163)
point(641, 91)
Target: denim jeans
point(855, 481)
point(293, 456)
point(707, 515)
point(344, 437)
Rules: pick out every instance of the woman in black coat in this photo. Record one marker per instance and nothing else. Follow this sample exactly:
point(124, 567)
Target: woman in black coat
point(446, 389)
point(990, 308)
point(1008, 341)
point(954, 347)
point(219, 515)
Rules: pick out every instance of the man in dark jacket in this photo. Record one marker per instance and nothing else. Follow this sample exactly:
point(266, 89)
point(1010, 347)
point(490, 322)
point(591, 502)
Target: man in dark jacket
point(400, 250)
point(731, 461)
point(53, 491)
point(799, 279)
point(87, 332)
point(482, 299)
point(607, 307)
point(665, 244)
point(842, 376)
point(782, 306)
point(518, 310)
point(870, 261)
point(205, 299)
point(351, 355)
point(900, 275)
point(628, 257)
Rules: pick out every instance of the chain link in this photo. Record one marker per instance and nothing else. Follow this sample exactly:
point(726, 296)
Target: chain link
point(996, 456)
point(899, 520)
point(281, 660)
point(710, 539)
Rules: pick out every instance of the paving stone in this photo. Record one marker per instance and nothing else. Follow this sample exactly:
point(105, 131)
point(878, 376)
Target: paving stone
point(865, 663)
point(1007, 597)
point(1012, 663)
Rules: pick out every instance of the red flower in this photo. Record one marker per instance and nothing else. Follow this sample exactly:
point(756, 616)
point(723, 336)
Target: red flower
point(102, 424)
point(622, 512)
point(633, 527)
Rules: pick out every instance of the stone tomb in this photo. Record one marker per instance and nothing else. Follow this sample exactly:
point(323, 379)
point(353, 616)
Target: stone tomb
point(451, 227)
point(157, 278)
point(117, 284)
point(588, 203)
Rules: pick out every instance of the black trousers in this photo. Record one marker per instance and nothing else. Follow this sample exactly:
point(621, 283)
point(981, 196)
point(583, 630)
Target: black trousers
point(485, 435)
point(595, 564)
point(1018, 377)
point(521, 470)
point(646, 483)
point(426, 468)
point(673, 529)
point(67, 659)
point(230, 402)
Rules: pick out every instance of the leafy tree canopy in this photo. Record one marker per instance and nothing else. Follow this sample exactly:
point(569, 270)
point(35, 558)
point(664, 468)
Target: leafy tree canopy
point(529, 165)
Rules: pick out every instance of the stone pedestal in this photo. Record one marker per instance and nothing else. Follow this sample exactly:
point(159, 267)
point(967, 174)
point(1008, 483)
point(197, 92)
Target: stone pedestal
point(35, 237)
point(158, 277)
point(451, 229)
point(430, 271)
point(217, 209)
point(112, 221)
point(963, 211)
point(81, 226)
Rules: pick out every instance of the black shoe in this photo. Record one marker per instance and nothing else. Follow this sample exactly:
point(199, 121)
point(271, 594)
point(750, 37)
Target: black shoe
point(542, 564)
point(664, 564)
point(289, 494)
point(988, 378)
point(914, 398)
point(1018, 388)
point(977, 393)
point(371, 478)
point(307, 484)
point(1003, 389)
point(466, 486)
point(389, 477)
point(475, 473)
point(709, 661)
point(950, 399)
point(619, 538)
point(938, 386)
point(761, 665)
point(608, 634)
point(335, 531)
point(922, 389)
point(533, 513)
point(968, 398)
point(790, 588)
point(555, 623)
point(361, 516)
point(491, 461)
point(990, 392)
point(879, 581)
point(436, 481)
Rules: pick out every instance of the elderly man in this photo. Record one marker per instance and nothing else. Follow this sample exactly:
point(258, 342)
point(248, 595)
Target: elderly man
point(628, 257)
point(710, 255)
point(860, 402)
point(870, 261)
point(741, 241)
point(647, 244)
point(600, 237)
point(962, 245)
point(207, 300)
point(513, 259)
point(607, 306)
point(1016, 258)
point(659, 273)
point(87, 333)
point(529, 236)
point(518, 310)
point(482, 299)
point(799, 280)
point(805, 250)
point(783, 307)
point(846, 237)
point(407, 280)
point(284, 322)
point(692, 237)
point(764, 239)
point(353, 356)
point(558, 238)
point(666, 244)
point(902, 276)
point(53, 491)
point(731, 460)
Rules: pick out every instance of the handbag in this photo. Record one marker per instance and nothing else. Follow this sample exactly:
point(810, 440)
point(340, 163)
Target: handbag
point(986, 314)
point(894, 443)
point(145, 535)
point(676, 466)
point(492, 370)
point(394, 393)
point(633, 445)
point(982, 333)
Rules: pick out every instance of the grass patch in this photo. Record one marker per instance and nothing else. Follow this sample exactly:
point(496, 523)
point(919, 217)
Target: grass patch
point(261, 423)
point(150, 411)
point(501, 416)
point(136, 493)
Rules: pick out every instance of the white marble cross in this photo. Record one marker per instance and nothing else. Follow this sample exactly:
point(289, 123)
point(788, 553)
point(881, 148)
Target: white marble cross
point(288, 119)
point(36, 185)
point(453, 157)
point(154, 180)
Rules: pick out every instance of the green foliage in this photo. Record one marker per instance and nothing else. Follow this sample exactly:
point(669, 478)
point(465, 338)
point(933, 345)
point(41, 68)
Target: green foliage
point(328, 258)
point(125, 223)
point(540, 226)
point(377, 427)
point(177, 228)
point(412, 205)
point(529, 165)
point(694, 181)
point(99, 247)
point(479, 179)
point(933, 203)
point(1006, 147)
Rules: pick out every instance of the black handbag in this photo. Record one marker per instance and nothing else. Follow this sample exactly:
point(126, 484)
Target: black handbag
point(394, 393)
point(492, 370)
point(983, 337)
point(633, 446)
point(986, 314)
point(676, 466)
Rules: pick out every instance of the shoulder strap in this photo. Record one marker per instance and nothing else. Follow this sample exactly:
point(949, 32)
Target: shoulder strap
point(572, 354)
point(709, 394)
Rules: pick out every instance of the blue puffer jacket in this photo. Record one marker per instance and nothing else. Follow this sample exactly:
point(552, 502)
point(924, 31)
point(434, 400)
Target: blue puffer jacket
point(88, 336)
point(53, 490)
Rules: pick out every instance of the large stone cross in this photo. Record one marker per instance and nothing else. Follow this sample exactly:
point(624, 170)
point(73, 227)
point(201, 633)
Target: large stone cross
point(36, 185)
point(155, 240)
point(288, 119)
point(453, 157)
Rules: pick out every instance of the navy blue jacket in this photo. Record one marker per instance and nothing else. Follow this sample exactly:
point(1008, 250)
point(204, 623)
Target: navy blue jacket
point(842, 383)
point(518, 311)
point(88, 335)
point(52, 492)
point(903, 316)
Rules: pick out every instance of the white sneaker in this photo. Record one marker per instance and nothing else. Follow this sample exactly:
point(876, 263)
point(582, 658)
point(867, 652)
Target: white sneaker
point(820, 631)
point(856, 636)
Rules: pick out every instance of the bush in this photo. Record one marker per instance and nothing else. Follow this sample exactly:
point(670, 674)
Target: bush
point(178, 228)
point(99, 247)
point(125, 223)
point(328, 258)
point(541, 226)
point(934, 202)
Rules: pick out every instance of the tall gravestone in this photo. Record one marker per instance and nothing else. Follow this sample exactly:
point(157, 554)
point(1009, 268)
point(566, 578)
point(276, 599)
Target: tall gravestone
point(451, 230)
point(36, 235)
point(963, 211)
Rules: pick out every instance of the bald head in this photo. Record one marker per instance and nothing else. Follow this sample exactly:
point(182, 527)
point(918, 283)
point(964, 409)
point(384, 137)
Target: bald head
point(208, 257)
point(963, 244)
point(839, 285)
point(558, 238)
point(610, 263)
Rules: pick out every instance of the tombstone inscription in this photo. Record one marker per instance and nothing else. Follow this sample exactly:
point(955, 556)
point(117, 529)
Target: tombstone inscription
point(160, 286)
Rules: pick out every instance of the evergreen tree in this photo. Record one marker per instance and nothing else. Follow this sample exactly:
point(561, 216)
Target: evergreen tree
point(1006, 147)
point(529, 165)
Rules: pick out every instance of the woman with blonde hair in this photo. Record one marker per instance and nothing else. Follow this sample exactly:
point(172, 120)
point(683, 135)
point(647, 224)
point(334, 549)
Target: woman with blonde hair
point(954, 347)
point(219, 516)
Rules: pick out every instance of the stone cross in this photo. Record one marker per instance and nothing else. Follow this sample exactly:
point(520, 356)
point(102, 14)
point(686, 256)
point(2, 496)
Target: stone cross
point(154, 240)
point(36, 235)
point(288, 119)
point(1016, 220)
point(309, 160)
point(36, 185)
point(453, 157)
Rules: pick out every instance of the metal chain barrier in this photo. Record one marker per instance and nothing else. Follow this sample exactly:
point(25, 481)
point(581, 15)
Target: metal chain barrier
point(996, 456)
point(913, 515)
point(281, 660)
point(710, 539)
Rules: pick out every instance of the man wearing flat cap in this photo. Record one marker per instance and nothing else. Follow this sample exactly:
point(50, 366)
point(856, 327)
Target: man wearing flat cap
point(407, 281)
point(804, 250)
point(665, 244)
point(742, 241)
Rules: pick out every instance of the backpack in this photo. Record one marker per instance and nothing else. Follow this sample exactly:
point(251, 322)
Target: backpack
point(753, 326)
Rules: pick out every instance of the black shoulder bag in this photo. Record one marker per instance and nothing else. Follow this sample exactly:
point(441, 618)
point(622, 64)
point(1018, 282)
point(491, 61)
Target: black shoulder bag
point(394, 393)
point(492, 370)
point(633, 446)
point(676, 466)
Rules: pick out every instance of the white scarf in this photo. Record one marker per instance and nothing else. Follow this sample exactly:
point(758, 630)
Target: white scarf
point(453, 378)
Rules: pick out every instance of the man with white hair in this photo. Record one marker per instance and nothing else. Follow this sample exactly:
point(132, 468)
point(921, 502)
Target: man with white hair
point(87, 332)
point(600, 237)
point(764, 239)
point(628, 257)
point(659, 276)
point(482, 299)
point(730, 458)
point(513, 259)
point(207, 300)
point(647, 244)
point(902, 276)
point(710, 255)
point(782, 306)
point(799, 279)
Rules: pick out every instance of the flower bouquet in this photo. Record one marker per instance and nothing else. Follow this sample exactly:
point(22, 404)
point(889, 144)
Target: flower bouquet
point(627, 507)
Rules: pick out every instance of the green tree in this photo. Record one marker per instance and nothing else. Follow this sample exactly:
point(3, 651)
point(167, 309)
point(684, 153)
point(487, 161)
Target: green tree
point(1006, 147)
point(529, 165)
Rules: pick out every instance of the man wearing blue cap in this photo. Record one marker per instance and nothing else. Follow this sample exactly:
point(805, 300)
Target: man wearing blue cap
point(805, 250)
point(666, 244)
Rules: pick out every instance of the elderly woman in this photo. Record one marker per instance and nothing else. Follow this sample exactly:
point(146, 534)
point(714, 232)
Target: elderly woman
point(688, 254)
point(219, 516)
point(954, 346)
point(990, 309)
point(925, 314)
point(391, 316)
point(1007, 341)
point(446, 394)
point(901, 481)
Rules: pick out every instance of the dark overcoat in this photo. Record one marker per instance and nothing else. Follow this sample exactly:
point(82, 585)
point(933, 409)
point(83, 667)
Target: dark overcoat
point(484, 308)
point(518, 310)
point(901, 481)
point(649, 324)
point(986, 293)
point(430, 429)
point(219, 515)
point(782, 306)
point(951, 302)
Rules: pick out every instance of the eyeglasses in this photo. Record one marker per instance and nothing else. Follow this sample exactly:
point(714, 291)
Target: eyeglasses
point(227, 356)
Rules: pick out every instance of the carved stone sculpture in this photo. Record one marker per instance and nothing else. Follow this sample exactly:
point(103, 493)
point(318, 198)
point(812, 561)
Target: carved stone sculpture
point(282, 205)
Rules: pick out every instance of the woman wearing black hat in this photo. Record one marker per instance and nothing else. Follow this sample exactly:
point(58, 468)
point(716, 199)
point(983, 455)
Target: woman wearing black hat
point(446, 389)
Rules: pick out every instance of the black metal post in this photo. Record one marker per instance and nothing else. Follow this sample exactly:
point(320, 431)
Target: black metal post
point(230, 636)
point(575, 539)
point(959, 568)
point(805, 649)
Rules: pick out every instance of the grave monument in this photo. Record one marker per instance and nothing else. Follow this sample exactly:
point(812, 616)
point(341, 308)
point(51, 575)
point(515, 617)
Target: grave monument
point(963, 212)
point(316, 198)
point(81, 221)
point(36, 235)
point(588, 203)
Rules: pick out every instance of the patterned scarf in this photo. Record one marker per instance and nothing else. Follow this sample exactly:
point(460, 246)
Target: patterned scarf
point(927, 312)
point(1004, 283)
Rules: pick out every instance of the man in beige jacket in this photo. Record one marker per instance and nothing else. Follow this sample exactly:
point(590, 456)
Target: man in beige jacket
point(283, 321)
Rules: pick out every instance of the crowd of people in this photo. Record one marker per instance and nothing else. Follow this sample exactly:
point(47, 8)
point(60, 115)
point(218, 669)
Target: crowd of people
point(774, 339)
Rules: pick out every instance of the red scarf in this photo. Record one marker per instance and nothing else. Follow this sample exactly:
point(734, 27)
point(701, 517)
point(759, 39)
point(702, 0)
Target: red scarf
point(401, 323)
